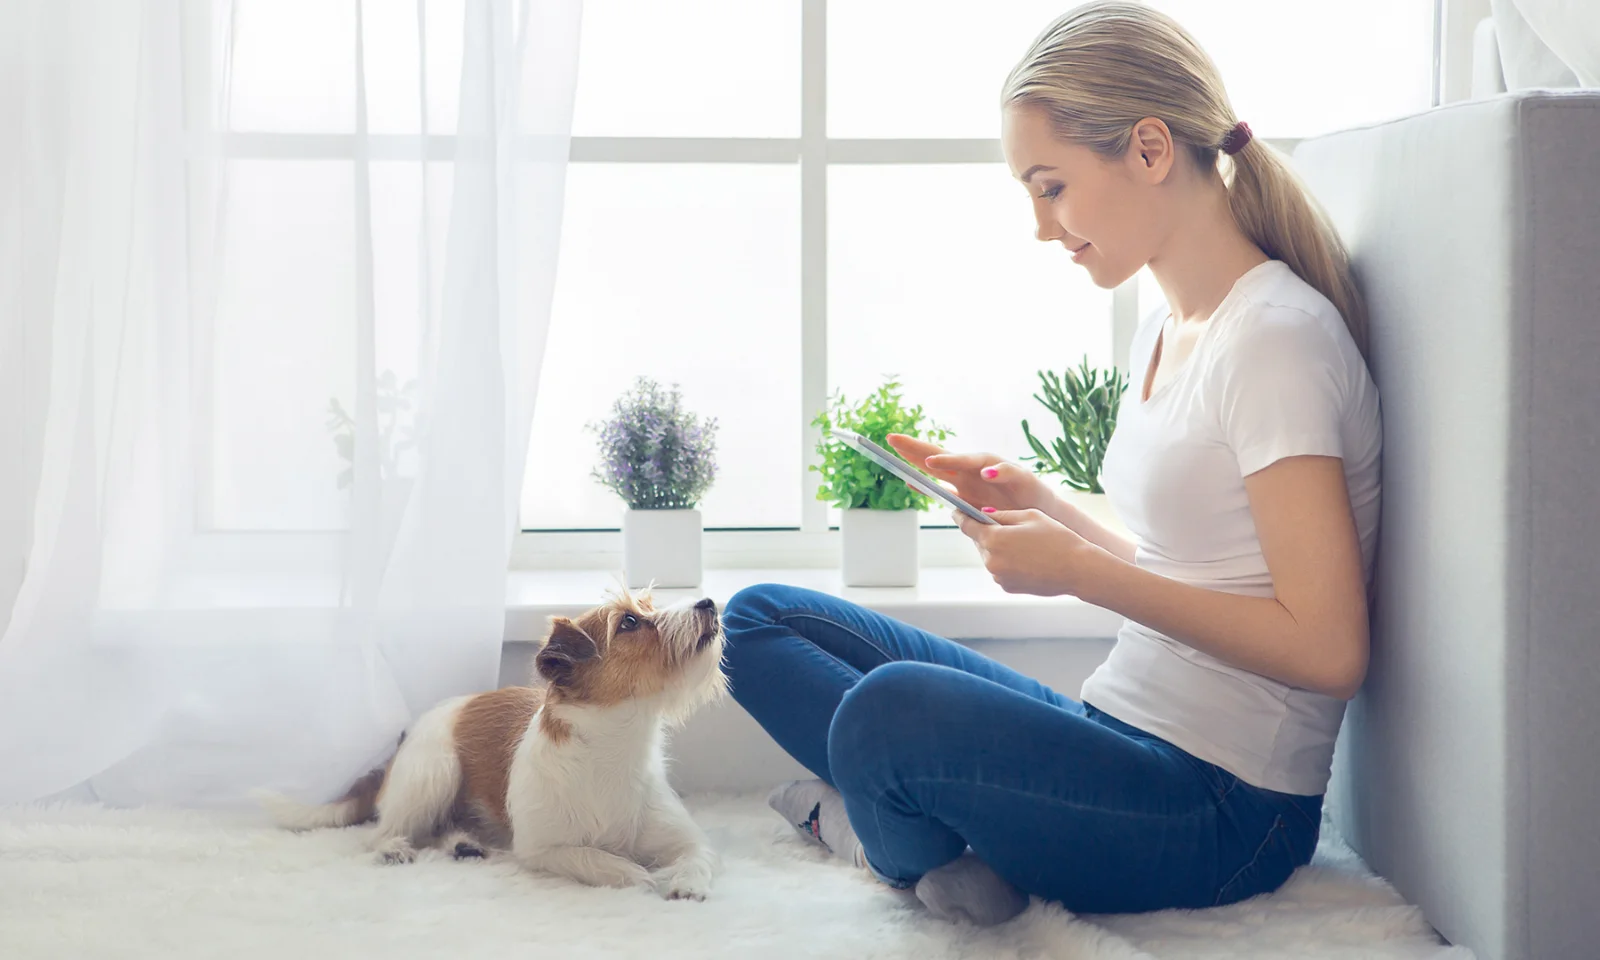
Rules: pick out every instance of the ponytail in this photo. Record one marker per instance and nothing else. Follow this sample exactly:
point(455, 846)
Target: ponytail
point(1278, 215)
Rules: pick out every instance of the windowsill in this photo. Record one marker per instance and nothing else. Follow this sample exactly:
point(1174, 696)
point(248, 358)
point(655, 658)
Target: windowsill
point(961, 603)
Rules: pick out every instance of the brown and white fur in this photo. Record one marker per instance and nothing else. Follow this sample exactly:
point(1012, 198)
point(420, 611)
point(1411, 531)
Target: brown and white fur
point(569, 777)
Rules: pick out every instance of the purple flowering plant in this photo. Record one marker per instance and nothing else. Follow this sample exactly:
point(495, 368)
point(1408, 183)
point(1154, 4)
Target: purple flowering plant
point(654, 454)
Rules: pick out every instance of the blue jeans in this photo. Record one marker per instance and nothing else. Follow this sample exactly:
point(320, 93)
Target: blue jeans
point(936, 748)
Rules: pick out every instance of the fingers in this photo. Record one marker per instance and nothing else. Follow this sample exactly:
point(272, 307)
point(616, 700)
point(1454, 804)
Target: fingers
point(913, 449)
point(1010, 518)
point(986, 465)
point(953, 462)
point(968, 526)
point(1004, 471)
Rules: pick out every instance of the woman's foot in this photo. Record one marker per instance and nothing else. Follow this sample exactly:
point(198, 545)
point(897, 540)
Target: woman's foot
point(967, 889)
point(964, 890)
point(816, 811)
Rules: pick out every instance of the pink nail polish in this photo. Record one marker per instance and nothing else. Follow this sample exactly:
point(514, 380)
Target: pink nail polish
point(988, 509)
point(991, 472)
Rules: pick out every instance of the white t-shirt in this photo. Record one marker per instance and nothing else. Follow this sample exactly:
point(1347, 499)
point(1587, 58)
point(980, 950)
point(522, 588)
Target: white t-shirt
point(1274, 374)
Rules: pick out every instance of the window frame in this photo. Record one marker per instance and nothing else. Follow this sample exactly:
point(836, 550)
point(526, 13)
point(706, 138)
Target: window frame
point(814, 543)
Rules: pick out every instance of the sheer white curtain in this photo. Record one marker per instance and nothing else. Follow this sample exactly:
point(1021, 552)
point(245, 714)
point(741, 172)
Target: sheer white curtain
point(265, 383)
point(1548, 43)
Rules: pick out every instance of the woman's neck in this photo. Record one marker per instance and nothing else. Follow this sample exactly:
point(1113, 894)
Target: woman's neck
point(1204, 255)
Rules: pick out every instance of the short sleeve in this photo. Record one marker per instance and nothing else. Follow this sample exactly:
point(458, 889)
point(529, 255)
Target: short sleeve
point(1281, 392)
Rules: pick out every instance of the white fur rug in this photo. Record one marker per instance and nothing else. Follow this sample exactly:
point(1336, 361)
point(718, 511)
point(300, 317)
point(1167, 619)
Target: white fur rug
point(85, 883)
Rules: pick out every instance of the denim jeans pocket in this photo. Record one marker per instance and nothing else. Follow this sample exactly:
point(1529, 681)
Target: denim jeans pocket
point(1275, 860)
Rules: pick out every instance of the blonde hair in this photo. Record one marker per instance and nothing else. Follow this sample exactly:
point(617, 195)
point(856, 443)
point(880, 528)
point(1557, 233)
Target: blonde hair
point(1101, 68)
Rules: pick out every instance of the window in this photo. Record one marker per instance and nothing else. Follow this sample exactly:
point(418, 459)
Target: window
point(773, 200)
point(768, 200)
point(284, 346)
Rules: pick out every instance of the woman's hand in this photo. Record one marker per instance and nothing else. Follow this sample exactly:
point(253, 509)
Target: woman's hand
point(985, 480)
point(1032, 552)
point(981, 479)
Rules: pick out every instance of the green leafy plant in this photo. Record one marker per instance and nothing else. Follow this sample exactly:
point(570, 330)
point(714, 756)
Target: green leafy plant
point(1085, 403)
point(849, 479)
point(397, 432)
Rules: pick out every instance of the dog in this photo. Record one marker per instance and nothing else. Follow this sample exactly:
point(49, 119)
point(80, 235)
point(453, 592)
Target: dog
point(569, 777)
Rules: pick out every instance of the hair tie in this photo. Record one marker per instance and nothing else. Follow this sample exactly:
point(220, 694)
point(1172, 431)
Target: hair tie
point(1236, 138)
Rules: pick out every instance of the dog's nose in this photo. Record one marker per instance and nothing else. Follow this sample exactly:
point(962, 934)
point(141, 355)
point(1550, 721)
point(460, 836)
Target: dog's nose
point(706, 604)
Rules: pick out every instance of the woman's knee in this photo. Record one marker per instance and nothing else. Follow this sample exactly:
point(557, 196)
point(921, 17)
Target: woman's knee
point(751, 620)
point(886, 718)
point(762, 603)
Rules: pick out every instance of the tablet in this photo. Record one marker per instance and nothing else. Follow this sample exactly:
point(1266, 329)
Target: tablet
point(914, 478)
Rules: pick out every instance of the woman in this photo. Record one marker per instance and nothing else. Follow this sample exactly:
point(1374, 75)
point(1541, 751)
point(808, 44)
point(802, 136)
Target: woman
point(1245, 463)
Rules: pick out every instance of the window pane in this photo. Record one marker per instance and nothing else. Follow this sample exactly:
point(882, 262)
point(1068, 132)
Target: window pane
point(1292, 69)
point(925, 68)
point(394, 65)
point(285, 335)
point(934, 277)
point(689, 274)
point(694, 68)
point(284, 345)
point(408, 257)
point(293, 66)
point(1303, 69)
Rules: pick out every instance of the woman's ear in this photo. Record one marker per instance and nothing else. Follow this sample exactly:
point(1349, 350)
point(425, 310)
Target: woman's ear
point(1151, 150)
point(565, 648)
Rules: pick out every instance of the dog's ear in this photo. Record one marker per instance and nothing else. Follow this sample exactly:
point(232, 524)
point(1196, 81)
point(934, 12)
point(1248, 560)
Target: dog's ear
point(565, 648)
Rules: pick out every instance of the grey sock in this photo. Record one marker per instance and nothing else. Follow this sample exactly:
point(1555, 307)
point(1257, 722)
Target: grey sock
point(817, 811)
point(968, 889)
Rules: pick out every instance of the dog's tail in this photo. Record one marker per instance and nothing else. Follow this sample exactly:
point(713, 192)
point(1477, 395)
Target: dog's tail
point(358, 805)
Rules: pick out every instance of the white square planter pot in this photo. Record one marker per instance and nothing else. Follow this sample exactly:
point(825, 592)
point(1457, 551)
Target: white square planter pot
point(661, 546)
point(880, 547)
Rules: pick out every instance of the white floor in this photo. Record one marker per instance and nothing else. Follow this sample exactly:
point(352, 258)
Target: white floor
point(82, 882)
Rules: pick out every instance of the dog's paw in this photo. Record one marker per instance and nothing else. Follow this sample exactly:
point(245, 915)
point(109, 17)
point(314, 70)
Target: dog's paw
point(394, 850)
point(461, 845)
point(683, 883)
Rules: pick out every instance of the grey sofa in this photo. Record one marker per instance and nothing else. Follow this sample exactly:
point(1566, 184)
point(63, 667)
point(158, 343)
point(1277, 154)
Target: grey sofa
point(1469, 769)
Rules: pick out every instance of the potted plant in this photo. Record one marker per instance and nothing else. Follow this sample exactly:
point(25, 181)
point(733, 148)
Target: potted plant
point(660, 459)
point(1085, 403)
point(880, 518)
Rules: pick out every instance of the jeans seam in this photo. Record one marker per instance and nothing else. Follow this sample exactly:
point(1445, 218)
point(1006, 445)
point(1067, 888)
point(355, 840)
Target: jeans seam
point(1277, 824)
point(1046, 798)
point(810, 615)
point(1228, 790)
point(1314, 824)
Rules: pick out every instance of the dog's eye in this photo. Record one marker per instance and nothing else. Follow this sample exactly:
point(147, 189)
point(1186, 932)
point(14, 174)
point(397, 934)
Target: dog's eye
point(629, 622)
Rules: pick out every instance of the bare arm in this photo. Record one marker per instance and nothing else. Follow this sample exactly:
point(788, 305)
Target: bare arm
point(1090, 529)
point(1311, 635)
point(1314, 633)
